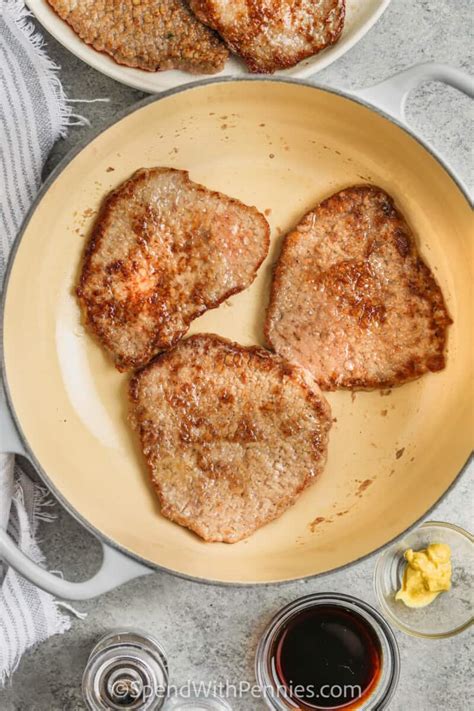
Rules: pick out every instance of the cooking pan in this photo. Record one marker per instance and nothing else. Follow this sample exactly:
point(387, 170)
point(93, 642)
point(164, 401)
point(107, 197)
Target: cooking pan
point(283, 146)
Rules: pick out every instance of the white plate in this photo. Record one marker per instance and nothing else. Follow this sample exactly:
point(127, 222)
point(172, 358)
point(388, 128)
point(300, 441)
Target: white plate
point(361, 15)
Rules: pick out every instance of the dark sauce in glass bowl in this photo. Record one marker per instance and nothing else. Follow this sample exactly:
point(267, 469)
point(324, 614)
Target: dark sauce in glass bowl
point(327, 657)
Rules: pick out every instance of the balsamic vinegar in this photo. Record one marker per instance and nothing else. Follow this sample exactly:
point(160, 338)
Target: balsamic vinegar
point(327, 657)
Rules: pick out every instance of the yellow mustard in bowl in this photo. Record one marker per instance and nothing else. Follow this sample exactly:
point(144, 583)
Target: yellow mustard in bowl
point(427, 573)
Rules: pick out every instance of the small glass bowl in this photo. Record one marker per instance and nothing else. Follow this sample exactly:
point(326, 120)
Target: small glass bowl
point(451, 612)
point(265, 671)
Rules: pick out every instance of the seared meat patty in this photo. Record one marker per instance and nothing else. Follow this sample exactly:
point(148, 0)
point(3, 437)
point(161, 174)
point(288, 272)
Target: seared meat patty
point(273, 34)
point(145, 34)
point(163, 251)
point(352, 301)
point(231, 435)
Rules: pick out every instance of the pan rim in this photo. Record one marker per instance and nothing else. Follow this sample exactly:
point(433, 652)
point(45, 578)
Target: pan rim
point(51, 179)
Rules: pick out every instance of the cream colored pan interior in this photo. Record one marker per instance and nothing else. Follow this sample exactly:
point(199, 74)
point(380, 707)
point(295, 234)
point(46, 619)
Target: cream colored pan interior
point(282, 147)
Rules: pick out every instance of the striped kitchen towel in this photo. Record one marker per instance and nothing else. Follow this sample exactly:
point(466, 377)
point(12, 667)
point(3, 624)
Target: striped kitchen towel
point(33, 115)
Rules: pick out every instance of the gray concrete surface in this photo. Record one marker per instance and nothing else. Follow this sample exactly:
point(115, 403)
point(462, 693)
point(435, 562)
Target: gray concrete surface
point(211, 633)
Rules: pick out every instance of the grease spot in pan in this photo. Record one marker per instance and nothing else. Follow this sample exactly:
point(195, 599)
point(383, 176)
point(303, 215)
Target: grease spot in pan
point(316, 522)
point(363, 486)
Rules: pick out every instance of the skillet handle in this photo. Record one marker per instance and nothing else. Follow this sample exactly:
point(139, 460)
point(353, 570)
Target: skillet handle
point(391, 94)
point(116, 567)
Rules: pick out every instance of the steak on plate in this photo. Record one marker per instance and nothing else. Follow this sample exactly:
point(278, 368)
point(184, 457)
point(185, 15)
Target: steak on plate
point(273, 34)
point(145, 34)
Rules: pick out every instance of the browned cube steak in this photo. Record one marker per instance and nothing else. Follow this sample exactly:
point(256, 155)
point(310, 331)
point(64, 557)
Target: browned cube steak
point(273, 34)
point(231, 435)
point(352, 300)
point(146, 34)
point(164, 250)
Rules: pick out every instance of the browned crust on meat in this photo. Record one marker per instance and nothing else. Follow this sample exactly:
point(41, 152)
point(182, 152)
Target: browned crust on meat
point(90, 309)
point(146, 34)
point(241, 34)
point(417, 279)
point(227, 357)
